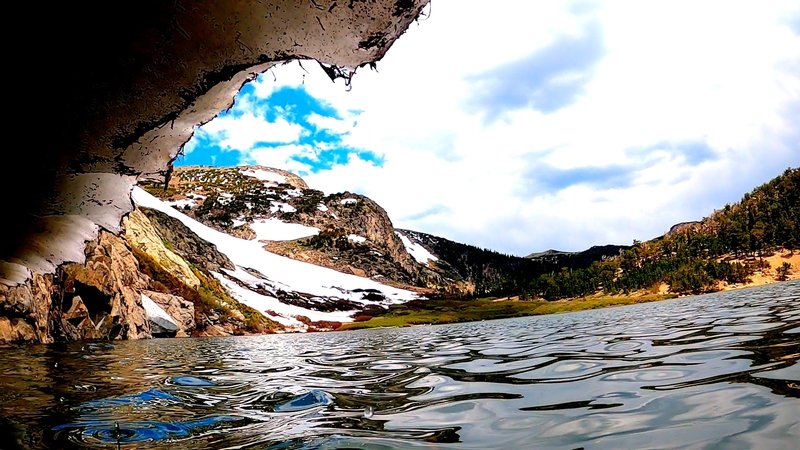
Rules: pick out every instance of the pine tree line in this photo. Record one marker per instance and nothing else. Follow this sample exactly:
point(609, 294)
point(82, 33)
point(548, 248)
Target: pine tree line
point(691, 260)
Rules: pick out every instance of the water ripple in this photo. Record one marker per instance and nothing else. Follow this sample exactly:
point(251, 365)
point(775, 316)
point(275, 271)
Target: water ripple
point(719, 370)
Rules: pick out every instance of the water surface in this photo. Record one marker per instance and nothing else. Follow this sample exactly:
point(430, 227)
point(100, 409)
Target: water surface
point(714, 371)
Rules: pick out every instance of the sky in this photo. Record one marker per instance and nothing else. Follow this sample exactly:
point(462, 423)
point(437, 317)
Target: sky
point(536, 125)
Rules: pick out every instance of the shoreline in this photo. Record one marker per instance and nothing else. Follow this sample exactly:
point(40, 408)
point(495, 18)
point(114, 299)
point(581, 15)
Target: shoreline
point(439, 312)
point(436, 312)
point(446, 311)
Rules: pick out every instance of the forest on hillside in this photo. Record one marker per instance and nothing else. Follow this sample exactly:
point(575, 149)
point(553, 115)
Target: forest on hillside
point(495, 274)
point(726, 246)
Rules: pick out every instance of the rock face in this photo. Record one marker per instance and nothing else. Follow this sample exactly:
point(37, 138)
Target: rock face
point(185, 243)
point(109, 285)
point(25, 310)
point(141, 234)
point(98, 299)
point(180, 310)
point(126, 82)
point(357, 216)
point(104, 298)
point(355, 235)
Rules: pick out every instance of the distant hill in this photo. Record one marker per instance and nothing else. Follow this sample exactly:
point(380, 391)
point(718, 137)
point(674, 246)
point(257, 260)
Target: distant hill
point(678, 227)
point(727, 248)
point(491, 273)
point(547, 253)
point(578, 260)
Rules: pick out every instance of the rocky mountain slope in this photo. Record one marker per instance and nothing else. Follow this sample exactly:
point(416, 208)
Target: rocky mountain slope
point(275, 207)
point(343, 231)
point(206, 262)
point(484, 272)
point(219, 251)
point(247, 249)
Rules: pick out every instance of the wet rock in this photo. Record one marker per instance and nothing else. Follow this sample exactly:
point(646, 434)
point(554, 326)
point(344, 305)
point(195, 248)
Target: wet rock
point(180, 309)
point(15, 330)
point(213, 330)
point(109, 285)
point(26, 310)
point(161, 323)
point(79, 320)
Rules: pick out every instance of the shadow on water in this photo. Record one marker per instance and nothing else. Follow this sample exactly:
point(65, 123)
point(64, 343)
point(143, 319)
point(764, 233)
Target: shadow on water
point(718, 370)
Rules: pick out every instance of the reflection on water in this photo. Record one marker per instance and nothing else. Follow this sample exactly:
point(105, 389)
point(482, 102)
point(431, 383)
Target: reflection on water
point(718, 370)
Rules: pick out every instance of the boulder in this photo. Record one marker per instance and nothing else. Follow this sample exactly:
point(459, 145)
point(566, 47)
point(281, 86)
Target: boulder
point(161, 323)
point(109, 285)
point(178, 308)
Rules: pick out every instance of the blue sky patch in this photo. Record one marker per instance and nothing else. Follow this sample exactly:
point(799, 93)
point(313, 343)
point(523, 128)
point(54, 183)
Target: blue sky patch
point(547, 80)
point(203, 151)
point(553, 179)
point(794, 23)
point(326, 159)
point(294, 105)
point(694, 153)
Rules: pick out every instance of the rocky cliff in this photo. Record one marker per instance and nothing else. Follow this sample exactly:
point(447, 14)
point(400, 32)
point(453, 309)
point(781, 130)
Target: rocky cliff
point(205, 255)
point(131, 286)
point(343, 231)
point(165, 274)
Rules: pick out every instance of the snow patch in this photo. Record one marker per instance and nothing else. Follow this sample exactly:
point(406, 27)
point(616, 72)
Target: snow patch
point(57, 239)
point(264, 303)
point(12, 274)
point(297, 276)
point(356, 239)
point(103, 198)
point(265, 175)
point(322, 207)
point(348, 201)
point(417, 251)
point(294, 192)
point(278, 230)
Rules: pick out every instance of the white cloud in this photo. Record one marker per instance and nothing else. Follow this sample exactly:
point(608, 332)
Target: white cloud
point(699, 101)
point(338, 126)
point(243, 132)
point(281, 157)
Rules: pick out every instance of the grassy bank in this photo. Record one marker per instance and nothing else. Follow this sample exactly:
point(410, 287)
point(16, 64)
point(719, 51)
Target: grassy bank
point(419, 312)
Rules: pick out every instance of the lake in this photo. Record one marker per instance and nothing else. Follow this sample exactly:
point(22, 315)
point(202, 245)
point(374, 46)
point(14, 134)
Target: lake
point(712, 371)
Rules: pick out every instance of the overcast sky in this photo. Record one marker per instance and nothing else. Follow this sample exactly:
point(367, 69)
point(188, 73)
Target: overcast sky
point(522, 126)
